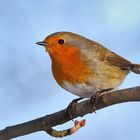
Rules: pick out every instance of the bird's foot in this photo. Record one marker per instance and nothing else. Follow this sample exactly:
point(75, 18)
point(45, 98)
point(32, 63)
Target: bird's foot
point(93, 100)
point(71, 106)
point(95, 97)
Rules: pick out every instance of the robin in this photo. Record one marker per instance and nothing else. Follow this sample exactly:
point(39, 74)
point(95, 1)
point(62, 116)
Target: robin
point(85, 67)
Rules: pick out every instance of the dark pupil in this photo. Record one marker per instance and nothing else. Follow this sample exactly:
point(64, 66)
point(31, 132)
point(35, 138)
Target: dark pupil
point(61, 41)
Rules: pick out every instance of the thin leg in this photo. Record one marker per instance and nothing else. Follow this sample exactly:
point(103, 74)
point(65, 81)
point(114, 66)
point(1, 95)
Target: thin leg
point(71, 105)
point(95, 97)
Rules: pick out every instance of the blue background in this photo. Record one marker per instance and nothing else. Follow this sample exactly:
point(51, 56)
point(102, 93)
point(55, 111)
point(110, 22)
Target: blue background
point(27, 87)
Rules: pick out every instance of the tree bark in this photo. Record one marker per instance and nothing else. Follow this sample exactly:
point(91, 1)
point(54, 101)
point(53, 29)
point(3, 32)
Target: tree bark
point(84, 107)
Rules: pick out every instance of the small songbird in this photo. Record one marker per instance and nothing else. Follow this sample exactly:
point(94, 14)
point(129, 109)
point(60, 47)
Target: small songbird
point(85, 67)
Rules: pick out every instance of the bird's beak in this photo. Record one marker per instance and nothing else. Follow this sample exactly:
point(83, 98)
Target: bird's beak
point(42, 43)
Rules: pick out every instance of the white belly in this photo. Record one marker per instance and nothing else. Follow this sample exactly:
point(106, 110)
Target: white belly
point(81, 90)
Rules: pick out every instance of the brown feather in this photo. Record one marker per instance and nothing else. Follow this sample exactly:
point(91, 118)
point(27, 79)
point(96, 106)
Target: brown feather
point(119, 61)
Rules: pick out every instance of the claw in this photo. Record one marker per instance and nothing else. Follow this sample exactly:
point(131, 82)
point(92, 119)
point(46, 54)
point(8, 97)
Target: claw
point(95, 97)
point(71, 105)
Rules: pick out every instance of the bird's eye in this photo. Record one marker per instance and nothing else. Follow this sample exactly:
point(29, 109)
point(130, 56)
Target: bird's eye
point(61, 41)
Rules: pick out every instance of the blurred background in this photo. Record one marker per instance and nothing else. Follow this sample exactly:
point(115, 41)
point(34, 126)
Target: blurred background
point(27, 87)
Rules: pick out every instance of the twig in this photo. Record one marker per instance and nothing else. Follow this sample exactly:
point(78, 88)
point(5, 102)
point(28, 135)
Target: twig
point(61, 117)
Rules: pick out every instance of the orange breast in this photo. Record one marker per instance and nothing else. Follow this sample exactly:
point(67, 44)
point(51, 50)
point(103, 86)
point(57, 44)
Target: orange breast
point(68, 65)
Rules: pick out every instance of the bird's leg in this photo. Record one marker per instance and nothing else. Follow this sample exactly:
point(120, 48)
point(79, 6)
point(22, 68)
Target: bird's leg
point(71, 105)
point(95, 97)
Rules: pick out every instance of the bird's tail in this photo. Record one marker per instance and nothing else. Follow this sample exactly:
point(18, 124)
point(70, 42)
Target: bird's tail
point(135, 68)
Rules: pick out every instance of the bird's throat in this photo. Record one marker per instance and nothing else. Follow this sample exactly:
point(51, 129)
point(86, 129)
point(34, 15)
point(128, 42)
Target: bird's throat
point(69, 66)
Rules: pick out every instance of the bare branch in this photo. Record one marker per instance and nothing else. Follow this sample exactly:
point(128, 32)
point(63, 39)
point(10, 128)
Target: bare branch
point(47, 122)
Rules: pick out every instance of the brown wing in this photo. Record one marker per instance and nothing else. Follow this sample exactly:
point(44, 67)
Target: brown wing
point(103, 54)
point(119, 61)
